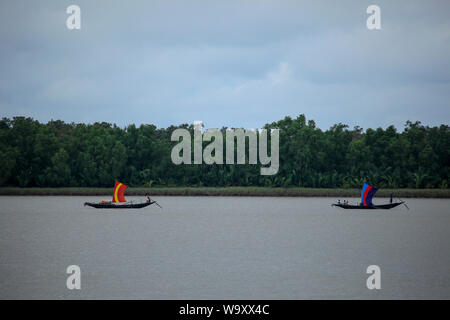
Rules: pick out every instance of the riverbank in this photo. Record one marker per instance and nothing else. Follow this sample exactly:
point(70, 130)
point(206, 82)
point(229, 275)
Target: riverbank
point(228, 191)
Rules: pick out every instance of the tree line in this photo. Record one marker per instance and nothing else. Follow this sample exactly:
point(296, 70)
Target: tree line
point(59, 154)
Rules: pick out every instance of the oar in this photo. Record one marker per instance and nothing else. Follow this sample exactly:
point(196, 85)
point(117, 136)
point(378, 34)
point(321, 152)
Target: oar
point(157, 204)
point(153, 201)
point(404, 203)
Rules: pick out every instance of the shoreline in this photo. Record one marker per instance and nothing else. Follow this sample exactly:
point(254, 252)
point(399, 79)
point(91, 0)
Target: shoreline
point(225, 191)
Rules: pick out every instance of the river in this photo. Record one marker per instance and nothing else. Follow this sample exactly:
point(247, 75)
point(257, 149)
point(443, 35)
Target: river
point(223, 248)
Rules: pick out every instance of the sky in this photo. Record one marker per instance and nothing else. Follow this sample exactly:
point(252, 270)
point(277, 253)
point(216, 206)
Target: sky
point(227, 63)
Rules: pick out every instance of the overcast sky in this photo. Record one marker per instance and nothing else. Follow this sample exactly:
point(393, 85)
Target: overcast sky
point(227, 63)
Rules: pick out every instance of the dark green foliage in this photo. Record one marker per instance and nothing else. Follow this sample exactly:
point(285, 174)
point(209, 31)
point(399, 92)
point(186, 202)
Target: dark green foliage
point(59, 154)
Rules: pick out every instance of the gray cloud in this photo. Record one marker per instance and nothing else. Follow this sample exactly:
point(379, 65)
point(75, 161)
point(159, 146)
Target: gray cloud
point(228, 63)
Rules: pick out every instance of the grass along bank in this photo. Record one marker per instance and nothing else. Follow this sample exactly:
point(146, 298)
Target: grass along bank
point(227, 191)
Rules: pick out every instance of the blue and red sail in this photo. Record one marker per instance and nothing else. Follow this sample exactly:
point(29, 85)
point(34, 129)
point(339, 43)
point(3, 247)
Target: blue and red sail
point(367, 194)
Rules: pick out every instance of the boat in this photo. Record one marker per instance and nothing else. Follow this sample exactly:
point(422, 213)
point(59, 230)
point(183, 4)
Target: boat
point(366, 201)
point(119, 202)
point(109, 205)
point(381, 206)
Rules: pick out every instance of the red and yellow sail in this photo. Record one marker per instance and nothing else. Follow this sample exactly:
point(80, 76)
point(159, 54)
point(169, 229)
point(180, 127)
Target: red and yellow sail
point(119, 190)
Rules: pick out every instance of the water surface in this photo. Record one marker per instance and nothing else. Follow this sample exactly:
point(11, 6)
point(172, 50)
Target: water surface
point(223, 248)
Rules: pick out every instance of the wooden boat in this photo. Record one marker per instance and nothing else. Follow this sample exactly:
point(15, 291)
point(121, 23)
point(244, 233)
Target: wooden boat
point(381, 206)
point(366, 201)
point(127, 205)
point(119, 201)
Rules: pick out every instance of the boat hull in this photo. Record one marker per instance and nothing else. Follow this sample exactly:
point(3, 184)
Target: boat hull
point(118, 206)
point(381, 206)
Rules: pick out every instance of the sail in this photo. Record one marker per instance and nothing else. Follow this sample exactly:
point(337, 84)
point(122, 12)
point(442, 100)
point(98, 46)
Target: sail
point(367, 193)
point(119, 190)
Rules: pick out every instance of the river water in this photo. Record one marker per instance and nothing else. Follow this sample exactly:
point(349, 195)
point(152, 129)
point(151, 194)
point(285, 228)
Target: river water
point(223, 248)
